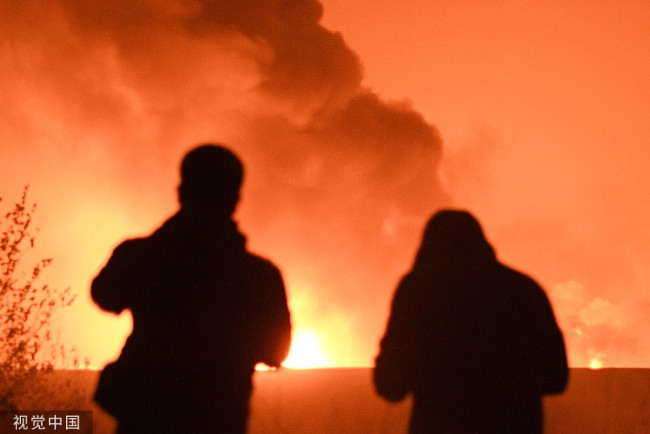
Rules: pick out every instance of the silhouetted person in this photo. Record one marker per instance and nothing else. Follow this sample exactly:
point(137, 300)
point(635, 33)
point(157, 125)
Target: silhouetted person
point(205, 311)
point(475, 342)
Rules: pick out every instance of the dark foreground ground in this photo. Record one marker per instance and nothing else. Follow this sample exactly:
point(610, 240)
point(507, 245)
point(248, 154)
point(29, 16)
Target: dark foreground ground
point(342, 401)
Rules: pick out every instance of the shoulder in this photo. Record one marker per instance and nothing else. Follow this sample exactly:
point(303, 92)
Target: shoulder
point(411, 286)
point(131, 244)
point(261, 262)
point(136, 251)
point(413, 280)
point(132, 247)
point(262, 267)
point(522, 283)
point(512, 274)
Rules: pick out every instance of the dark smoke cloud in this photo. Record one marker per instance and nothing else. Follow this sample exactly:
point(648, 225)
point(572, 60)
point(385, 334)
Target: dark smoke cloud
point(307, 65)
point(101, 99)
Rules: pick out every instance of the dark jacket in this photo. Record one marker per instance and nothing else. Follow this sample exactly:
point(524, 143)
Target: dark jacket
point(205, 312)
point(477, 345)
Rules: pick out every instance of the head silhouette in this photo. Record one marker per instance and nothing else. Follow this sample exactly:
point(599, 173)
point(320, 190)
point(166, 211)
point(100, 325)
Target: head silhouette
point(211, 176)
point(451, 238)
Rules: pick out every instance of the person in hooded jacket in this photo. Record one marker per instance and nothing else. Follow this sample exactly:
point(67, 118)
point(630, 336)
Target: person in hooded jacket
point(474, 341)
point(205, 311)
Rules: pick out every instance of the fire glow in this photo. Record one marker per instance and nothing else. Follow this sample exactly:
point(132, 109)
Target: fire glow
point(307, 352)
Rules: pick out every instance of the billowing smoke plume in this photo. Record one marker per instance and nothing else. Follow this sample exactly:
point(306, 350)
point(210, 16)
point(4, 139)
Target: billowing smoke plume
point(99, 101)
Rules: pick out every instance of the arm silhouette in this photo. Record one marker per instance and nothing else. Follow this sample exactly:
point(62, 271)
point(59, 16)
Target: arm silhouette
point(393, 370)
point(116, 282)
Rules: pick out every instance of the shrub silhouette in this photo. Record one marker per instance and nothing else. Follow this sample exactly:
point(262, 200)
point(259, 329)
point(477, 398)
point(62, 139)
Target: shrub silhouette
point(27, 341)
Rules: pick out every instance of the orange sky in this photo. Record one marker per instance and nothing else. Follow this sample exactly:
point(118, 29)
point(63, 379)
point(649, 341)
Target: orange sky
point(544, 110)
point(543, 113)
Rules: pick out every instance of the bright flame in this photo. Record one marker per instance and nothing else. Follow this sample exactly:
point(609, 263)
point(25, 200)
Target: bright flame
point(306, 351)
point(263, 367)
point(596, 362)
